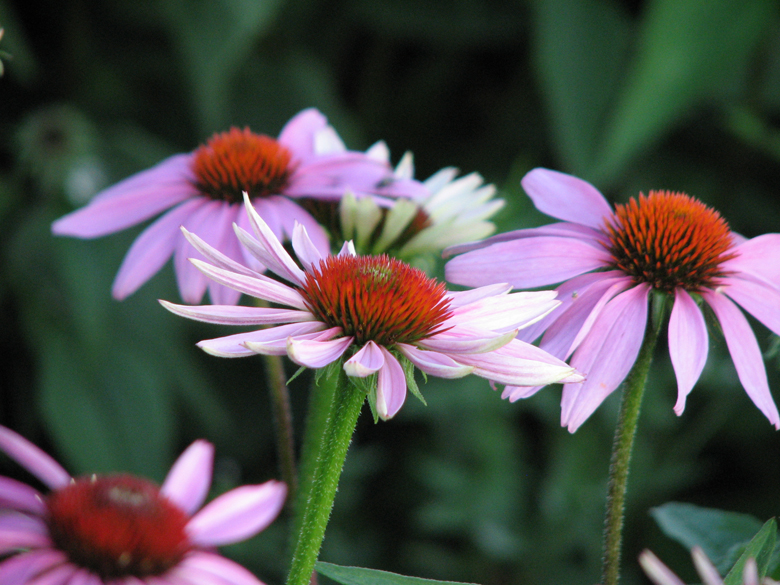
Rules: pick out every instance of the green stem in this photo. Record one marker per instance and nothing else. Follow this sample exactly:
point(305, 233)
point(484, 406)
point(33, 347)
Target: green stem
point(321, 489)
point(633, 390)
point(283, 426)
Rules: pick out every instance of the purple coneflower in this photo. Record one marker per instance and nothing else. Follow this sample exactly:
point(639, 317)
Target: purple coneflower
point(376, 310)
point(124, 530)
point(660, 574)
point(609, 262)
point(202, 191)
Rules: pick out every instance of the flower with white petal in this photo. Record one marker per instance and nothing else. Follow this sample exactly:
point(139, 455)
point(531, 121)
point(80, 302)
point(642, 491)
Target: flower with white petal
point(660, 574)
point(376, 313)
point(100, 530)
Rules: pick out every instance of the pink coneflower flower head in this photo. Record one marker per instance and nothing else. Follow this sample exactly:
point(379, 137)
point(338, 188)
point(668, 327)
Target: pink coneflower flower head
point(122, 529)
point(202, 191)
point(609, 262)
point(660, 574)
point(378, 314)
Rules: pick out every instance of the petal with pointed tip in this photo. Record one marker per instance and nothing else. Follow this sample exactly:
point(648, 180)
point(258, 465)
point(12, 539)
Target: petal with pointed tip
point(316, 354)
point(239, 315)
point(688, 345)
point(365, 362)
point(33, 459)
point(188, 481)
point(434, 363)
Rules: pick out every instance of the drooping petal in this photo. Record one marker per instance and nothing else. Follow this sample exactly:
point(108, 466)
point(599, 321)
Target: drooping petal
point(21, 568)
point(566, 197)
point(19, 496)
point(151, 250)
point(131, 201)
point(758, 299)
point(606, 355)
point(207, 220)
point(745, 352)
point(316, 354)
point(33, 459)
point(239, 315)
point(434, 363)
point(527, 263)
point(391, 387)
point(237, 515)
point(189, 480)
point(268, 249)
point(459, 340)
point(280, 346)
point(365, 362)
point(759, 257)
point(258, 286)
point(219, 566)
point(19, 531)
point(688, 345)
point(237, 345)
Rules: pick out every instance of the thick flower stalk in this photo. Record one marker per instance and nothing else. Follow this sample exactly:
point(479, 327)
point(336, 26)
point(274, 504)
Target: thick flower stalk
point(609, 262)
point(376, 312)
point(202, 190)
point(124, 530)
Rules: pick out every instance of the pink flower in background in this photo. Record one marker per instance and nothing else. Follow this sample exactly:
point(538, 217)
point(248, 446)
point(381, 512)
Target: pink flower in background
point(376, 310)
point(122, 529)
point(202, 191)
point(660, 574)
point(609, 262)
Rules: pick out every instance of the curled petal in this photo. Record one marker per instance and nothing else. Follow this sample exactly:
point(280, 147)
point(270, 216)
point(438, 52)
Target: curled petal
point(33, 459)
point(461, 340)
point(305, 250)
point(238, 315)
point(434, 363)
point(188, 481)
point(506, 312)
point(316, 354)
point(688, 345)
point(237, 345)
point(391, 387)
point(365, 362)
point(745, 352)
point(237, 515)
point(566, 197)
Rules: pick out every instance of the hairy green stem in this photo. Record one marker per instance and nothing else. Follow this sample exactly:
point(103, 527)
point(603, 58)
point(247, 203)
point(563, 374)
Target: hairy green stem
point(323, 477)
point(633, 391)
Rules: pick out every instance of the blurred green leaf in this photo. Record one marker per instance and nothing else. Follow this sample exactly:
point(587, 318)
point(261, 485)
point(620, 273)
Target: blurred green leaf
point(717, 532)
point(760, 548)
point(687, 52)
point(580, 56)
point(360, 576)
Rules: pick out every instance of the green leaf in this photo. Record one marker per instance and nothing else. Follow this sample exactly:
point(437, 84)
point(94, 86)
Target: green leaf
point(688, 52)
point(360, 576)
point(760, 547)
point(717, 532)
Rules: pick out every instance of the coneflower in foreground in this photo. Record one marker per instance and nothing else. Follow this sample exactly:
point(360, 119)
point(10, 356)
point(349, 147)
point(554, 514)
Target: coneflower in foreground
point(125, 530)
point(609, 262)
point(379, 313)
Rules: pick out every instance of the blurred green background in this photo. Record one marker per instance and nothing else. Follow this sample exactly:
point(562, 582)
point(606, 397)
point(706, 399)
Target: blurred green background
point(630, 95)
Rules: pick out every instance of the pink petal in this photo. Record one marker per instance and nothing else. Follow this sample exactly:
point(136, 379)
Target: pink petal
point(290, 214)
point(758, 299)
point(151, 250)
point(216, 257)
point(33, 459)
point(207, 220)
point(258, 286)
point(19, 531)
point(460, 340)
point(236, 345)
point(365, 362)
point(707, 571)
point(218, 565)
point(391, 387)
point(659, 573)
point(19, 569)
point(305, 250)
point(566, 197)
point(298, 134)
point(434, 363)
point(59, 575)
point(758, 257)
point(237, 515)
point(505, 312)
point(527, 263)
point(606, 355)
point(518, 364)
point(316, 354)
point(745, 352)
point(19, 496)
point(688, 345)
point(515, 393)
point(188, 481)
point(466, 297)
point(238, 315)
point(131, 201)
point(268, 249)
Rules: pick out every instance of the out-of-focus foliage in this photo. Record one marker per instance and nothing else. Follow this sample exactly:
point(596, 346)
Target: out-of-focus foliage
point(630, 95)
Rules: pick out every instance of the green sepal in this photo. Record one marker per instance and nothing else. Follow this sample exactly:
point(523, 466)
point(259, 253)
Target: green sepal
point(361, 576)
point(298, 372)
point(327, 371)
point(411, 383)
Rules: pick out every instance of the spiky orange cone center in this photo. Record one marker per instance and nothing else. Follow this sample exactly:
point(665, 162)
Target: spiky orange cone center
point(117, 526)
point(239, 160)
point(376, 298)
point(669, 240)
